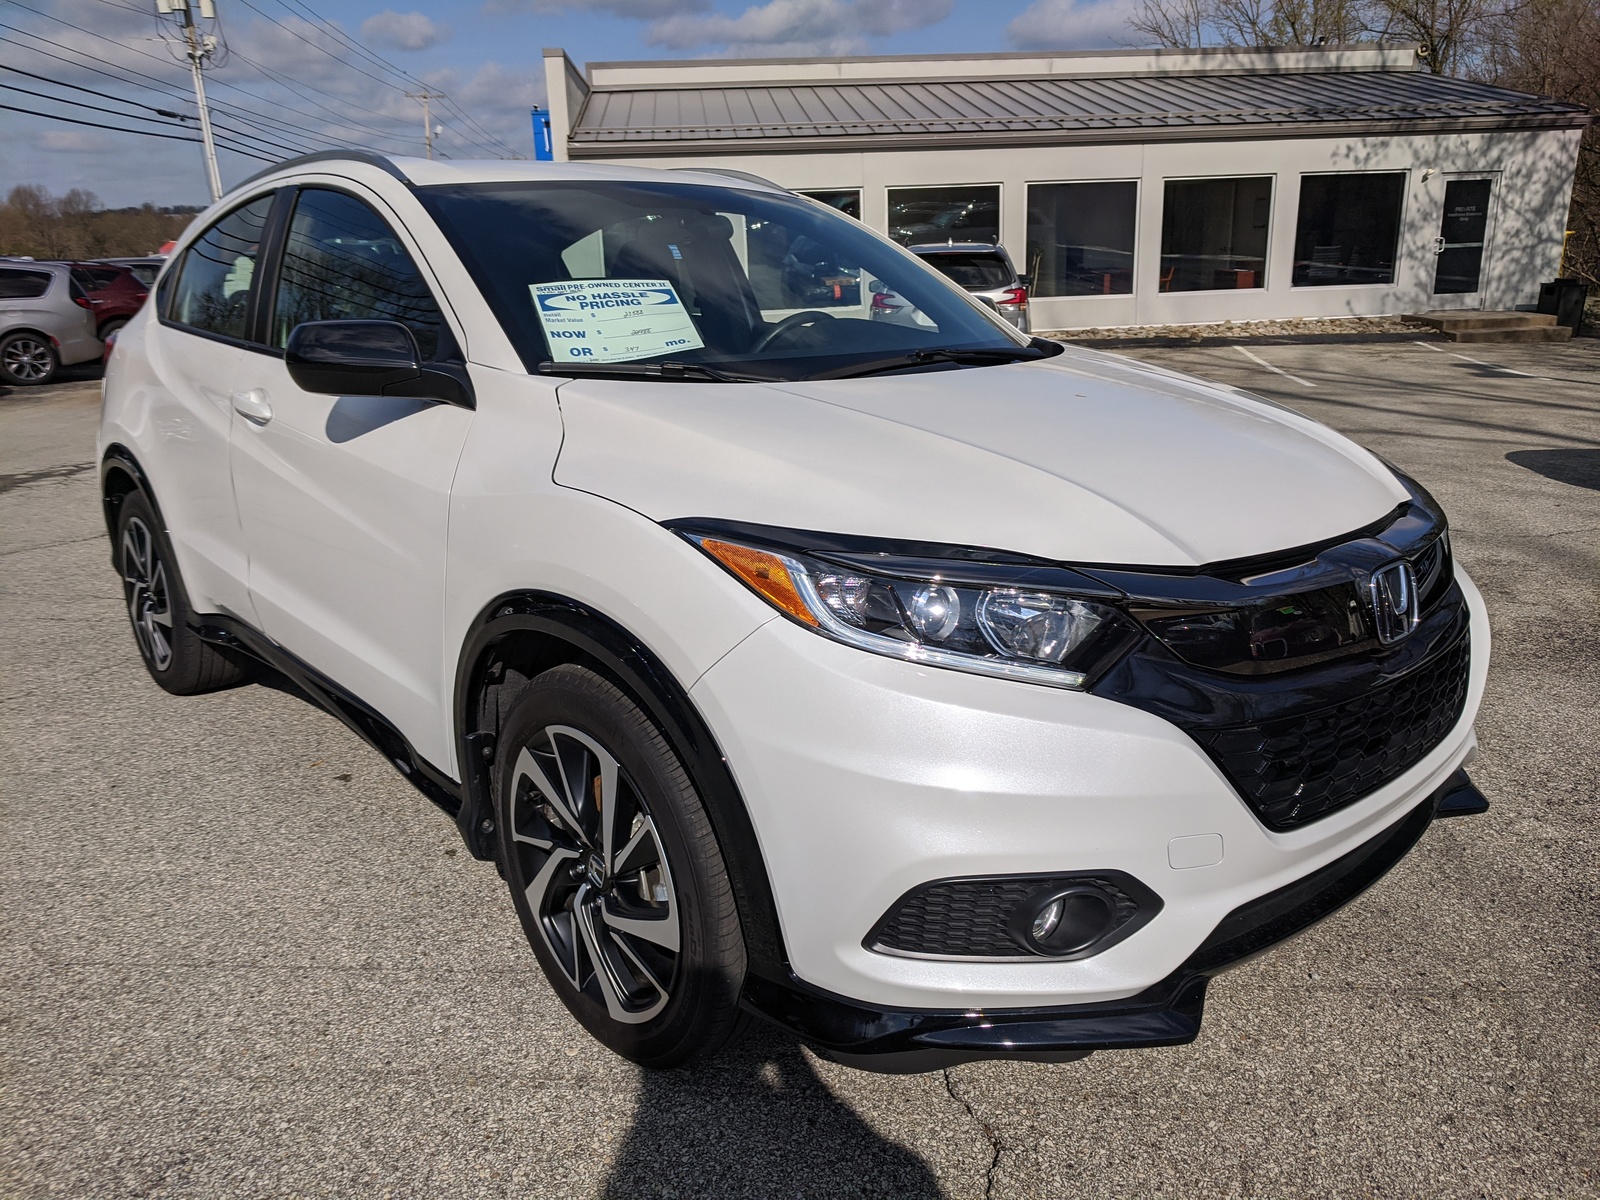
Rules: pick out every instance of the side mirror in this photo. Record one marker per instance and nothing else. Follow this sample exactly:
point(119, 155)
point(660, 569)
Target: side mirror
point(1025, 281)
point(370, 358)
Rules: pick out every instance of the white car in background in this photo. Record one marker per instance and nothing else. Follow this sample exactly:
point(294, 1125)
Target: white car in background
point(933, 692)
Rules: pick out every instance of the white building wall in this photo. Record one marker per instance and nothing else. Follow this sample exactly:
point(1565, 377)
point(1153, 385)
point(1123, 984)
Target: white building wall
point(1532, 170)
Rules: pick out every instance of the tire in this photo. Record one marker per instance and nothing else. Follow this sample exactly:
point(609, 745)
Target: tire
point(158, 607)
point(112, 326)
point(638, 935)
point(27, 359)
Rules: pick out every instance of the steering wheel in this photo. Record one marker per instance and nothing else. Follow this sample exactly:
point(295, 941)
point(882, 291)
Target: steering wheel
point(793, 321)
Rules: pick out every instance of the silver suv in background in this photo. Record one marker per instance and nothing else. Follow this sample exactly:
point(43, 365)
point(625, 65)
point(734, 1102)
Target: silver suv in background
point(984, 270)
point(46, 322)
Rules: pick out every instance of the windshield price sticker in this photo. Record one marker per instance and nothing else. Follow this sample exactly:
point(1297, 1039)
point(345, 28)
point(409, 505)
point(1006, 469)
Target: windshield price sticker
point(613, 320)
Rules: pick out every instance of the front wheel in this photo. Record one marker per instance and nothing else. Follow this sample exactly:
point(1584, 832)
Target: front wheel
point(615, 872)
point(28, 358)
point(158, 606)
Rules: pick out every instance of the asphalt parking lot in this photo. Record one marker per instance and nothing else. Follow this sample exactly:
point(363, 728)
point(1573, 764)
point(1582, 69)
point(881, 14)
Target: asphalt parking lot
point(243, 958)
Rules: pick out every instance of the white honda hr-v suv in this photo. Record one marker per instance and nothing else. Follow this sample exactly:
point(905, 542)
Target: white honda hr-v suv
point(933, 692)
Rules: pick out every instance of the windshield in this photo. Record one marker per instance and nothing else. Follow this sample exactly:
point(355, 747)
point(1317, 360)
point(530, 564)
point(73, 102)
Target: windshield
point(764, 285)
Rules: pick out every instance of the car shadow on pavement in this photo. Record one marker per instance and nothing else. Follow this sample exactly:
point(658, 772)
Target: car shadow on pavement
point(1581, 468)
point(757, 1121)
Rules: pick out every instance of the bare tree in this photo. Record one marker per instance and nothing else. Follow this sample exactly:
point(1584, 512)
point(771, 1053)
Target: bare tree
point(1181, 24)
point(37, 224)
point(1552, 48)
point(1449, 31)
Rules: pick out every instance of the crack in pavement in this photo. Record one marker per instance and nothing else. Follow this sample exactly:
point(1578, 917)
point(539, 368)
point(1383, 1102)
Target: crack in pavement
point(995, 1143)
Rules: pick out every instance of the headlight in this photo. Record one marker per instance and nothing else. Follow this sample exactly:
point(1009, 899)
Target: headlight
point(1016, 632)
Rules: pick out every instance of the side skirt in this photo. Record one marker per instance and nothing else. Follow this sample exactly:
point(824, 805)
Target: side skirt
point(368, 724)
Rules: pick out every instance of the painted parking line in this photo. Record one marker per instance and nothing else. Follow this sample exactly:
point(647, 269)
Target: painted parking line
point(1256, 358)
point(1478, 362)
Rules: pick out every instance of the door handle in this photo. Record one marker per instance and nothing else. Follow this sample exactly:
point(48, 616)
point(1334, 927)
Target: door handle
point(1438, 245)
point(253, 406)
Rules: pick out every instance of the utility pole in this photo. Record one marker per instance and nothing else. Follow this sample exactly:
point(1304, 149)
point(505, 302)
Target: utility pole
point(427, 122)
point(199, 49)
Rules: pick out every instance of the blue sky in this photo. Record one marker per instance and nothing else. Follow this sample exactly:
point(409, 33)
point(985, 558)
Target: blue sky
point(292, 73)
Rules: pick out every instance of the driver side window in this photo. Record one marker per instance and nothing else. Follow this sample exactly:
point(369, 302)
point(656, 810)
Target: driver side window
point(341, 261)
point(214, 279)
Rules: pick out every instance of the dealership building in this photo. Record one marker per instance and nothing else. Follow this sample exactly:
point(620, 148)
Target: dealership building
point(1135, 187)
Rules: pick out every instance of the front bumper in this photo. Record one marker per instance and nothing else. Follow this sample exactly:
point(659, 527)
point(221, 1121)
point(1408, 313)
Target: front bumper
point(1167, 1014)
point(866, 777)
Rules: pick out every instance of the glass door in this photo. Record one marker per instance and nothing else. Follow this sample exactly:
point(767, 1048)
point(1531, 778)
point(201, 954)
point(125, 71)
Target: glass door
point(1463, 237)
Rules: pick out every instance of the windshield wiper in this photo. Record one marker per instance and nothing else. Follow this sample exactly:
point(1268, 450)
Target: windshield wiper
point(977, 357)
point(648, 370)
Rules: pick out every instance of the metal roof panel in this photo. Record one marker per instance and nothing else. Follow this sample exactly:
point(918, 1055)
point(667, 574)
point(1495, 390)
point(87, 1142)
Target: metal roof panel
point(974, 108)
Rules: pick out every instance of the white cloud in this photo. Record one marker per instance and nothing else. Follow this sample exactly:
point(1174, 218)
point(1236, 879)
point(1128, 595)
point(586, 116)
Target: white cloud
point(73, 141)
point(403, 31)
point(1072, 25)
point(798, 27)
point(639, 9)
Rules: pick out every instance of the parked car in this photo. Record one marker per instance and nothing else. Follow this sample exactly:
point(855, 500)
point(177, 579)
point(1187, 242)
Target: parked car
point(146, 268)
point(986, 272)
point(936, 693)
point(46, 321)
point(114, 292)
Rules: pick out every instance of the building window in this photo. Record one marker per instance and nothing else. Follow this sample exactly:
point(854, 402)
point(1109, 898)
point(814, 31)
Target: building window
point(846, 200)
point(1214, 234)
point(1348, 229)
point(944, 214)
point(1080, 238)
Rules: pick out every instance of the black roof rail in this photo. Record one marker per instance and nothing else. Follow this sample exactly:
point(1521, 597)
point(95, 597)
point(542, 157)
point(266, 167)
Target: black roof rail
point(381, 161)
point(733, 174)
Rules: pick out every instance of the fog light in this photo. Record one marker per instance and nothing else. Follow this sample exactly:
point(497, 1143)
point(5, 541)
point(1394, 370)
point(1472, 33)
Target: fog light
point(1069, 921)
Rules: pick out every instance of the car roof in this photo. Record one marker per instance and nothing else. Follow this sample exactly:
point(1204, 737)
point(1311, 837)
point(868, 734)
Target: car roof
point(424, 172)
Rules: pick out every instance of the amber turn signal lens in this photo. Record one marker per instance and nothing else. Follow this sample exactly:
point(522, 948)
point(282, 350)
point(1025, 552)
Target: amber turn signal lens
point(764, 573)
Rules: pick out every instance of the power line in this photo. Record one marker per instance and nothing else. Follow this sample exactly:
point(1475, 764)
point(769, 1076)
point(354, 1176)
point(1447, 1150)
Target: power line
point(380, 61)
point(174, 137)
point(154, 57)
point(235, 112)
point(264, 142)
point(116, 112)
point(90, 91)
point(336, 58)
point(248, 116)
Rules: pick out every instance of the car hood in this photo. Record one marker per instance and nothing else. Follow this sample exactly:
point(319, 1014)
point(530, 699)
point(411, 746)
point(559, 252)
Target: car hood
point(1085, 457)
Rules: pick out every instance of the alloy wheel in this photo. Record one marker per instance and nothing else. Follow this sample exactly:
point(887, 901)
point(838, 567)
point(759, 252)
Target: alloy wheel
point(596, 874)
point(144, 581)
point(28, 359)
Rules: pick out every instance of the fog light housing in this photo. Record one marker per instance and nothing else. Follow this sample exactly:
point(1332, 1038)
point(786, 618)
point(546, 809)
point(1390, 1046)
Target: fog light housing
point(1062, 916)
point(1065, 922)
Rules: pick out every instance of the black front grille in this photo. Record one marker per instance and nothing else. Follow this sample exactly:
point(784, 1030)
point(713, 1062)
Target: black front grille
point(968, 918)
point(1296, 768)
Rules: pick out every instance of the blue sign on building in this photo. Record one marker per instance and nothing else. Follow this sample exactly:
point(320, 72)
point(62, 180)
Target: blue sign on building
point(543, 147)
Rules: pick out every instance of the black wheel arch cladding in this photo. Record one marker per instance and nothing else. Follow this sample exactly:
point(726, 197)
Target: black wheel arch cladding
point(525, 632)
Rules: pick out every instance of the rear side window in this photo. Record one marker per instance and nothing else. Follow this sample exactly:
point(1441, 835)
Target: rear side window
point(213, 289)
point(23, 285)
point(98, 277)
point(341, 261)
point(975, 272)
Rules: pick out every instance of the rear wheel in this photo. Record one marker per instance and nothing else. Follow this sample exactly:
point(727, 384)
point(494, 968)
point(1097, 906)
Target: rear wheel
point(28, 358)
point(158, 607)
point(615, 873)
point(112, 326)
